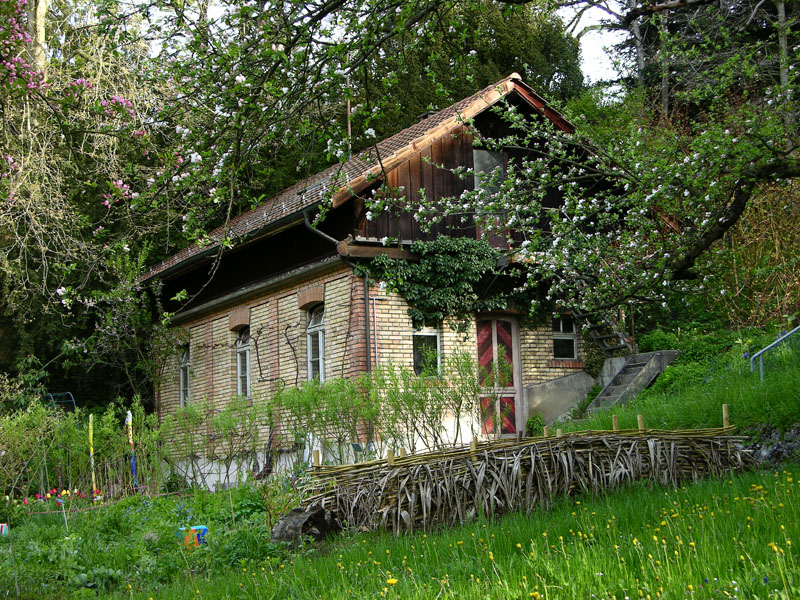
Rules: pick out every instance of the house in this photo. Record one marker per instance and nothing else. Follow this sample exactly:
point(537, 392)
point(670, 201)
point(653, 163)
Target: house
point(285, 304)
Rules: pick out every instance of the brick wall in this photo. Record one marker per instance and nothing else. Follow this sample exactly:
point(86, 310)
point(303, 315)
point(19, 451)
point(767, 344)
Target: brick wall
point(278, 342)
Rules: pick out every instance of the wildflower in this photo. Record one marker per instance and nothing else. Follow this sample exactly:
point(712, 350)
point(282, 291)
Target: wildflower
point(391, 581)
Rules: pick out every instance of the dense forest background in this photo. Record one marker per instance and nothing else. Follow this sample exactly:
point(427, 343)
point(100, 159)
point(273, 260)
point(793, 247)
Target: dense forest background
point(130, 129)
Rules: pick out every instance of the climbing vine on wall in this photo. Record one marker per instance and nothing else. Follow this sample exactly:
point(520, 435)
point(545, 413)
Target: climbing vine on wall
point(453, 279)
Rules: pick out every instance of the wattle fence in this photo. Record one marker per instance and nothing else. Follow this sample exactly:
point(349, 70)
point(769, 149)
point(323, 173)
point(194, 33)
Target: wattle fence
point(489, 478)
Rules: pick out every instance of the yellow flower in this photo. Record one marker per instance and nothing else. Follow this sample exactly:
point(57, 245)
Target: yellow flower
point(391, 581)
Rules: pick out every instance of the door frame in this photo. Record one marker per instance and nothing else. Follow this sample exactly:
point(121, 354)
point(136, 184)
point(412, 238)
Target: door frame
point(516, 372)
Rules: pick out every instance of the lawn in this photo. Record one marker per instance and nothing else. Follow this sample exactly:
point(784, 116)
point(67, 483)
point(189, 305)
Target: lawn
point(713, 539)
point(731, 538)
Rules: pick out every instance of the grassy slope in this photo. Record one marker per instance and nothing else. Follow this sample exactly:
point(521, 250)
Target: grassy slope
point(691, 394)
point(713, 539)
point(731, 525)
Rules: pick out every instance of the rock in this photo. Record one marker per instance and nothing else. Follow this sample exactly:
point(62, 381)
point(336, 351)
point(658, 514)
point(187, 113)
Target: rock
point(771, 446)
point(299, 523)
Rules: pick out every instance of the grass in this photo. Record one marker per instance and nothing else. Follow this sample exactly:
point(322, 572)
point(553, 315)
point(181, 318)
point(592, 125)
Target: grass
point(735, 538)
point(690, 395)
point(713, 539)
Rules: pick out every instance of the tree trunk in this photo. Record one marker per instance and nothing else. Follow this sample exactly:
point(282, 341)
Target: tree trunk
point(37, 13)
point(637, 39)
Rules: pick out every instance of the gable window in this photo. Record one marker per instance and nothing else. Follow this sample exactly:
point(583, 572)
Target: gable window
point(315, 343)
point(243, 362)
point(565, 341)
point(427, 351)
point(184, 361)
point(485, 162)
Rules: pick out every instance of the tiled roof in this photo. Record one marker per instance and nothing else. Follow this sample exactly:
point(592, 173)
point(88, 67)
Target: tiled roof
point(341, 181)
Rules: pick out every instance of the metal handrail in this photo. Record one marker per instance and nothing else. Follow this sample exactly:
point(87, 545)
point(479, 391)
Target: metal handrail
point(759, 355)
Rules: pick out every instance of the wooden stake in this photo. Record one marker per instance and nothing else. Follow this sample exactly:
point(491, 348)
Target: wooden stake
point(726, 421)
point(615, 422)
point(519, 436)
point(402, 452)
point(473, 445)
point(640, 420)
point(390, 457)
point(546, 432)
point(316, 458)
point(559, 432)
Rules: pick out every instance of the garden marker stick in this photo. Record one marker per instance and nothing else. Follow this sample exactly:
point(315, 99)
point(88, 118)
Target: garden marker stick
point(91, 454)
point(129, 422)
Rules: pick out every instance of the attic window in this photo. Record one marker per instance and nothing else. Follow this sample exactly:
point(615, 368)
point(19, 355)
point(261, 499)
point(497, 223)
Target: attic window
point(490, 169)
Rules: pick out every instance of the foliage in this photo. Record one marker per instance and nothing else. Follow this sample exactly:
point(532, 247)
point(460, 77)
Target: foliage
point(714, 371)
point(331, 415)
point(534, 426)
point(451, 281)
point(45, 449)
point(580, 410)
point(137, 540)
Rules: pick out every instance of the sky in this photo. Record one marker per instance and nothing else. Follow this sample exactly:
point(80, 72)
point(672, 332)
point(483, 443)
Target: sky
point(595, 61)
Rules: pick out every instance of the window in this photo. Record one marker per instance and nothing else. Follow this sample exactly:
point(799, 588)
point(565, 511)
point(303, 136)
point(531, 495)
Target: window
point(183, 376)
point(427, 351)
point(564, 338)
point(485, 162)
point(315, 343)
point(243, 362)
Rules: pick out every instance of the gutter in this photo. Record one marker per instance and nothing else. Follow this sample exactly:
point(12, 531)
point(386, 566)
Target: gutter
point(253, 289)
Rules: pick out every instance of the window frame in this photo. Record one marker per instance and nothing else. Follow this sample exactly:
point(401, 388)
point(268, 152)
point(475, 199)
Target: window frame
point(184, 376)
point(559, 334)
point(482, 179)
point(427, 331)
point(315, 329)
point(242, 347)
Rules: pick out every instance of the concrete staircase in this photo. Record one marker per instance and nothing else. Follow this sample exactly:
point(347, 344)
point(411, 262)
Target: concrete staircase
point(635, 373)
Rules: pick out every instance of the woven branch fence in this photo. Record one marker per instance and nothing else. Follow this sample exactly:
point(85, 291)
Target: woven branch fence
point(451, 487)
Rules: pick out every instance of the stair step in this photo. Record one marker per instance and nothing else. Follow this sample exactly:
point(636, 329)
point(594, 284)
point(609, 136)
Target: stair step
point(612, 348)
point(607, 337)
point(615, 390)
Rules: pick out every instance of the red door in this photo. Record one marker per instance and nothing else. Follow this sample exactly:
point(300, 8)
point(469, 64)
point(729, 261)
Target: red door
point(498, 343)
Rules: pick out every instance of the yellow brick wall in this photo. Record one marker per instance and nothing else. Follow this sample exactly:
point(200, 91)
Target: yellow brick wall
point(278, 342)
point(536, 345)
point(394, 332)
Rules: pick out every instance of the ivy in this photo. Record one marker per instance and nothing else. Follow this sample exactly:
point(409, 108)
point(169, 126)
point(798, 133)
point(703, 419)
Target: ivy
point(453, 279)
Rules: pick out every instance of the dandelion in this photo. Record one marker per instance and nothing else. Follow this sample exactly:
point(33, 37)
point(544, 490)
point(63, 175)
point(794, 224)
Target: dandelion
point(391, 580)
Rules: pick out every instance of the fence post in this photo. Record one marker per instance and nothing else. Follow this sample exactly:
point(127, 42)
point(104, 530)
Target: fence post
point(316, 458)
point(402, 452)
point(473, 445)
point(546, 432)
point(615, 422)
point(726, 421)
point(390, 457)
point(640, 419)
point(559, 432)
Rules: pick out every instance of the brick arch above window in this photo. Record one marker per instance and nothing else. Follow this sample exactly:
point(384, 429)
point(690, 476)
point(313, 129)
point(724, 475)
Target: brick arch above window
point(239, 318)
point(308, 297)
